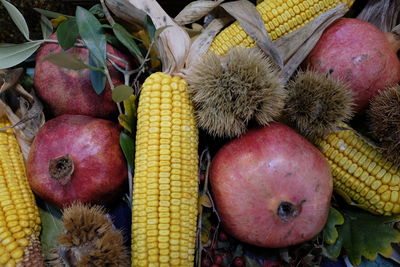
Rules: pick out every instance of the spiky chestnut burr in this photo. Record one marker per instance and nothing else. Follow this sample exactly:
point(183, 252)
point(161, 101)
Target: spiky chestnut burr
point(316, 104)
point(384, 117)
point(230, 91)
point(90, 238)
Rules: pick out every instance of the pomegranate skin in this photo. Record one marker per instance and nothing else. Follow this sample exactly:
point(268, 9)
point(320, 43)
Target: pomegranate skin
point(67, 91)
point(253, 177)
point(93, 145)
point(359, 54)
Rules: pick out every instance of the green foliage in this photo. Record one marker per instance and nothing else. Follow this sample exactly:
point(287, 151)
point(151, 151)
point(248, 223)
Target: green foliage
point(128, 120)
point(330, 233)
point(13, 54)
point(363, 235)
point(67, 33)
point(17, 17)
point(126, 39)
point(127, 144)
point(67, 61)
point(51, 227)
point(121, 93)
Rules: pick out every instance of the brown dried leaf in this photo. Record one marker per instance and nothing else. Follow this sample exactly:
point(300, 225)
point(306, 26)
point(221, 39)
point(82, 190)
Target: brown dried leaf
point(383, 14)
point(8, 78)
point(126, 11)
point(173, 43)
point(250, 19)
point(195, 11)
point(202, 43)
point(296, 45)
point(27, 119)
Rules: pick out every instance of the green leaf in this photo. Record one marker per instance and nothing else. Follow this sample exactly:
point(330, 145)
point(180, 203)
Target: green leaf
point(46, 27)
point(66, 61)
point(49, 14)
point(329, 233)
point(67, 33)
point(124, 37)
point(121, 93)
point(150, 28)
point(128, 148)
point(13, 54)
point(91, 32)
point(97, 10)
point(17, 17)
point(364, 235)
point(128, 120)
point(51, 227)
point(97, 78)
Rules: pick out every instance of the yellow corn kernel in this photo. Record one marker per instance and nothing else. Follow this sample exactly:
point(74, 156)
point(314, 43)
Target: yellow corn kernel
point(361, 172)
point(18, 210)
point(280, 18)
point(164, 225)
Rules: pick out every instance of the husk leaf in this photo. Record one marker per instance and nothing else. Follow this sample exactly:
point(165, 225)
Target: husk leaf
point(383, 14)
point(202, 43)
point(173, 43)
point(127, 12)
point(250, 19)
point(26, 117)
point(296, 45)
point(195, 11)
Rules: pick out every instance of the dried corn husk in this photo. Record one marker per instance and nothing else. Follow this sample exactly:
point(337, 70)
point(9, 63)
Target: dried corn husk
point(382, 13)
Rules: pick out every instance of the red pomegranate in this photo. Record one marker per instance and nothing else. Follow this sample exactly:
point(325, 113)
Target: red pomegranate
point(360, 54)
point(77, 158)
point(67, 91)
point(272, 188)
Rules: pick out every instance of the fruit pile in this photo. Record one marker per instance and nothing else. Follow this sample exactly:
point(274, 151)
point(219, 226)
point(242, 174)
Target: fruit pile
point(131, 138)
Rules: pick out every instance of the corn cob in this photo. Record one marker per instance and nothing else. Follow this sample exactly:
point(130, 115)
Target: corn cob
point(280, 17)
point(19, 215)
point(360, 173)
point(166, 171)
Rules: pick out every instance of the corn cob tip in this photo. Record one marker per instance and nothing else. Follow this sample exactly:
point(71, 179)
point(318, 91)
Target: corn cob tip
point(33, 255)
point(230, 91)
point(317, 103)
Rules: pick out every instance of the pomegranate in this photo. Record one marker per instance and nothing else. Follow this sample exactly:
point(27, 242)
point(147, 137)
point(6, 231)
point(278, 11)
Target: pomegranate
point(360, 54)
point(67, 91)
point(272, 188)
point(77, 158)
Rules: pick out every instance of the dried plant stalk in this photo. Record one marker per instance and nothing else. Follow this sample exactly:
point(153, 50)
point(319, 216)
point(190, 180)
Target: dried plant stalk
point(382, 13)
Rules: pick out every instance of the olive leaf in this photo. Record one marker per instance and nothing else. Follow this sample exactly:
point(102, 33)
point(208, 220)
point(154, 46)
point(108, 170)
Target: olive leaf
point(13, 54)
point(67, 33)
point(49, 14)
point(128, 120)
point(66, 61)
point(97, 77)
point(127, 144)
point(121, 93)
point(364, 235)
point(150, 28)
point(17, 17)
point(125, 38)
point(330, 233)
point(92, 35)
point(46, 26)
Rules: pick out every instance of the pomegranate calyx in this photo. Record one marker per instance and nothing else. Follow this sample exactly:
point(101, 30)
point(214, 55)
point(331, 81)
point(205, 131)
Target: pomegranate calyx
point(287, 211)
point(394, 39)
point(61, 168)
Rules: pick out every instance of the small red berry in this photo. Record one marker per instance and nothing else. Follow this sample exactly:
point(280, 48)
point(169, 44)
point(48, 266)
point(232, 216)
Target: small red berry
point(222, 237)
point(238, 262)
point(205, 262)
point(218, 259)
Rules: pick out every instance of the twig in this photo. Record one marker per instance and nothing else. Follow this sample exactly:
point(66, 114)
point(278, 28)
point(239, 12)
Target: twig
point(107, 13)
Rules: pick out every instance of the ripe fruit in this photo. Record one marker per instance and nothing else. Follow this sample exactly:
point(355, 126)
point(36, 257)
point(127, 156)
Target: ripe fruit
point(76, 158)
point(358, 53)
point(271, 187)
point(238, 262)
point(67, 91)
